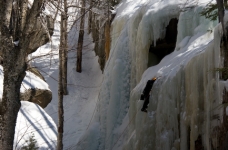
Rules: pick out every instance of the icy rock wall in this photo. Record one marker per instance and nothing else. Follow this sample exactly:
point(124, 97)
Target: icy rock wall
point(145, 26)
point(184, 96)
point(180, 108)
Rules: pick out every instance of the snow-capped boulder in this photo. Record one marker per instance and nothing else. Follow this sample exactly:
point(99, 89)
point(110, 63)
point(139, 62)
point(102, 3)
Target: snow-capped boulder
point(42, 97)
point(35, 89)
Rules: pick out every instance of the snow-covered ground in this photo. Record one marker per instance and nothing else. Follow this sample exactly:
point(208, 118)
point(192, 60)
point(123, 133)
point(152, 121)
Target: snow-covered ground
point(83, 88)
point(33, 121)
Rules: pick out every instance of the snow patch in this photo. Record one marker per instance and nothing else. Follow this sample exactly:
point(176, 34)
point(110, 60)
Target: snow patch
point(33, 120)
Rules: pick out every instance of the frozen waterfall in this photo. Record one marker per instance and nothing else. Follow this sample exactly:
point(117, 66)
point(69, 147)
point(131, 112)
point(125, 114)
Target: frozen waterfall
point(185, 96)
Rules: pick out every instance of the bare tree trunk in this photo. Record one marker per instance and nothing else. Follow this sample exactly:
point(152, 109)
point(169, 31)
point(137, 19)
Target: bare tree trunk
point(225, 3)
point(64, 32)
point(14, 58)
point(14, 71)
point(221, 12)
point(80, 39)
point(90, 18)
point(107, 40)
point(10, 103)
point(60, 90)
point(58, 5)
point(107, 34)
point(223, 130)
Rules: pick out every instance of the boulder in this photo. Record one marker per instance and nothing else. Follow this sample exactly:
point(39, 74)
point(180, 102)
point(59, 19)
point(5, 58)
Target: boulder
point(35, 89)
point(42, 97)
point(36, 72)
point(43, 30)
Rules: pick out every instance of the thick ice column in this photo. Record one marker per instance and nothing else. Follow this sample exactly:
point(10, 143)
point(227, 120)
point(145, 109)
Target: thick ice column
point(115, 91)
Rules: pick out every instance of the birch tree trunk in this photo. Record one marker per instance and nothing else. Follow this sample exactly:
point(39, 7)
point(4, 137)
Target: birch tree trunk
point(80, 39)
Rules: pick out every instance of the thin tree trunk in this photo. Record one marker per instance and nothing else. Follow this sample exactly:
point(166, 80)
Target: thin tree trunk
point(64, 32)
point(60, 91)
point(90, 18)
point(80, 39)
point(221, 12)
point(107, 40)
point(107, 33)
point(58, 5)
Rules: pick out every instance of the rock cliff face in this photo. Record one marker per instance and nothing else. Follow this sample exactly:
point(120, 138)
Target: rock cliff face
point(45, 26)
point(98, 35)
point(100, 27)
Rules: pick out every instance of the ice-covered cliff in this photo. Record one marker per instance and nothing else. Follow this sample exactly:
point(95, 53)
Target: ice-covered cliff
point(168, 39)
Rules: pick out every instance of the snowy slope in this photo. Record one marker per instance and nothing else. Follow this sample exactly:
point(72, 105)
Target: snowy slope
point(32, 120)
point(83, 88)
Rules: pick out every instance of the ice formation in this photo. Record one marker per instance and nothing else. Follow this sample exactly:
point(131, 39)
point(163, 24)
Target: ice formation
point(185, 96)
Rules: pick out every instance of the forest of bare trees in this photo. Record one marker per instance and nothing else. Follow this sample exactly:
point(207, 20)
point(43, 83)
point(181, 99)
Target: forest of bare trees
point(23, 29)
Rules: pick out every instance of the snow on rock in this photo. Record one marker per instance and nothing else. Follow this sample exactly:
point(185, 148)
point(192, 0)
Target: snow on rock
point(31, 81)
point(32, 120)
point(16, 43)
point(36, 90)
